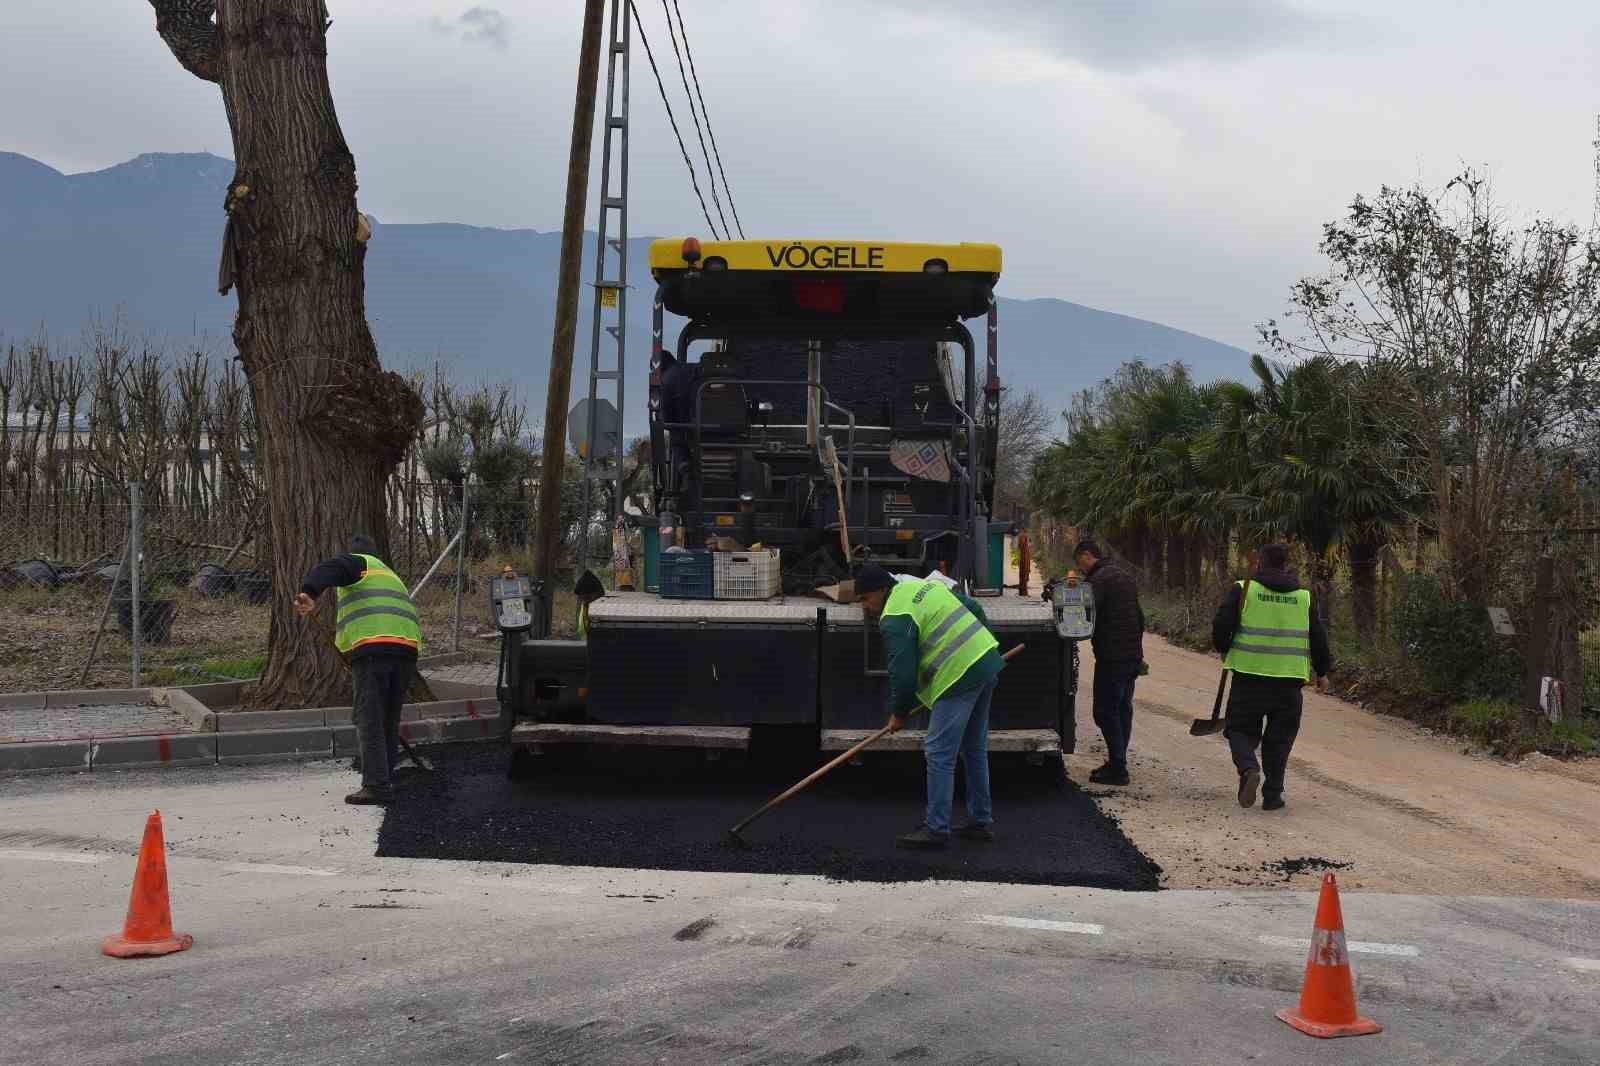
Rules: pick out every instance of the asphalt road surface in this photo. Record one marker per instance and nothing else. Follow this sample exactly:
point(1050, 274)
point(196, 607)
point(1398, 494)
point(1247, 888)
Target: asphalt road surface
point(310, 949)
point(670, 810)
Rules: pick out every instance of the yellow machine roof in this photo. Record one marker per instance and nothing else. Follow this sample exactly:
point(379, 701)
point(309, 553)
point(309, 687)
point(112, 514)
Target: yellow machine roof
point(799, 256)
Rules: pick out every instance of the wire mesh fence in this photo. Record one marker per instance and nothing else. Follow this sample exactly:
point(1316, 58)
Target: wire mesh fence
point(68, 595)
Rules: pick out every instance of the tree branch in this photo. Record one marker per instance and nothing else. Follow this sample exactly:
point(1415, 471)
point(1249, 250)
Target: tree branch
point(187, 29)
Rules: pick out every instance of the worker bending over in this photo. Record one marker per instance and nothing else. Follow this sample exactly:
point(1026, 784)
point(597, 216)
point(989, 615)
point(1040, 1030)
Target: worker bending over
point(942, 655)
point(379, 634)
point(1272, 639)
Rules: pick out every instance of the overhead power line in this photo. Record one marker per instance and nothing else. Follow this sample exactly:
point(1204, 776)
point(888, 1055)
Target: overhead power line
point(700, 133)
point(662, 88)
point(710, 132)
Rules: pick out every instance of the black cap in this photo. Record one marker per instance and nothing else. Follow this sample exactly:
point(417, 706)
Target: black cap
point(872, 577)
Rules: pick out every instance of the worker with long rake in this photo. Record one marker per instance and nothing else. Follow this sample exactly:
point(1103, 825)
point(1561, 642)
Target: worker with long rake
point(379, 634)
point(942, 655)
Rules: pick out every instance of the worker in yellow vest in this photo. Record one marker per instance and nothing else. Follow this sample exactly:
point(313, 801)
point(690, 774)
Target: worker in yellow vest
point(378, 632)
point(1274, 642)
point(941, 655)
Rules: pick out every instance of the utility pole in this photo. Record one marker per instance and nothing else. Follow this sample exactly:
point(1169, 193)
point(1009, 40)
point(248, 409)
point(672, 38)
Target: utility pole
point(548, 517)
point(610, 279)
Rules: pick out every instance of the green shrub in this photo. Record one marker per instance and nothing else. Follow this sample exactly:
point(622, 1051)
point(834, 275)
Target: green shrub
point(1449, 642)
point(1495, 724)
point(1572, 736)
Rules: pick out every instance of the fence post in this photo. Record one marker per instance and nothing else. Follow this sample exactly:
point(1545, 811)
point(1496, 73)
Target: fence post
point(461, 558)
point(105, 613)
point(1536, 654)
point(135, 549)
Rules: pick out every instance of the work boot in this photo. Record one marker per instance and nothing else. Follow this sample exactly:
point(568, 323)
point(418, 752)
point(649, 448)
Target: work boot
point(982, 834)
point(1273, 803)
point(923, 838)
point(1109, 774)
point(368, 796)
point(1249, 784)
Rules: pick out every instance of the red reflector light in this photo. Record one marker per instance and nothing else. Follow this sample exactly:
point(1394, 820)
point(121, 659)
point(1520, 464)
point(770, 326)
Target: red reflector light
point(819, 294)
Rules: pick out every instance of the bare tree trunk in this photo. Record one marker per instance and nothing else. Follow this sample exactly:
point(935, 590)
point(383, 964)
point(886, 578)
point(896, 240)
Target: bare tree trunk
point(1173, 580)
point(1364, 583)
point(333, 424)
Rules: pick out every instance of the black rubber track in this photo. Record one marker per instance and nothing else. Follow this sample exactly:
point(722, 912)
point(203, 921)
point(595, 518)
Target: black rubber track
point(670, 810)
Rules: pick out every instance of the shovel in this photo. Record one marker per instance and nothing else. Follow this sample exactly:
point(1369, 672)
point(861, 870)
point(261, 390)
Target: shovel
point(1206, 727)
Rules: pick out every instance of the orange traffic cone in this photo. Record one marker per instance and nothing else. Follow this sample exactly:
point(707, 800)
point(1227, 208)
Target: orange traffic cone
point(148, 929)
point(1328, 998)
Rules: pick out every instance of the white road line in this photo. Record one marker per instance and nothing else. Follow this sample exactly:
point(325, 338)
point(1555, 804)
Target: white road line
point(1007, 920)
point(1588, 965)
point(1363, 947)
point(817, 906)
point(269, 868)
point(29, 855)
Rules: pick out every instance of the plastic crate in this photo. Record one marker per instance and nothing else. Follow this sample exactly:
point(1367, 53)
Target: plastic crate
point(747, 575)
point(686, 575)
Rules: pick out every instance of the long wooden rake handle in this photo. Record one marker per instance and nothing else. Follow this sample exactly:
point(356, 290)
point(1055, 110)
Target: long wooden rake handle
point(831, 764)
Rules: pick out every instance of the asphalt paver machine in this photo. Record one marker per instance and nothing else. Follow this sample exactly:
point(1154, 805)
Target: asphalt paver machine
point(825, 403)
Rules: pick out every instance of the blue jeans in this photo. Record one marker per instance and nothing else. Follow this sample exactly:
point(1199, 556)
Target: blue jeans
point(1113, 707)
point(959, 725)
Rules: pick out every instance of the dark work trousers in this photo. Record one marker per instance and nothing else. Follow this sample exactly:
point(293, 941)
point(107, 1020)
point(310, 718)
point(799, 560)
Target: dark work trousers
point(1113, 707)
point(381, 682)
point(1263, 712)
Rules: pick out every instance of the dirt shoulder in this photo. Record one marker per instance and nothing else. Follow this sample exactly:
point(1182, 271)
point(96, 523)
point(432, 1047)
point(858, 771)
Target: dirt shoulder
point(1409, 810)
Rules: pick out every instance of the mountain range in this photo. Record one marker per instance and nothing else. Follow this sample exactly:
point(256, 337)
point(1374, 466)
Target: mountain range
point(140, 241)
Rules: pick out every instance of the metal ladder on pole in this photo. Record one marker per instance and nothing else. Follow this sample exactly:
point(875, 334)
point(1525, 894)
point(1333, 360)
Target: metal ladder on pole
point(610, 276)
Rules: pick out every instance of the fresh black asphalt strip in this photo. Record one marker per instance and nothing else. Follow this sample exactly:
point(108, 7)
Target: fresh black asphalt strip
point(670, 810)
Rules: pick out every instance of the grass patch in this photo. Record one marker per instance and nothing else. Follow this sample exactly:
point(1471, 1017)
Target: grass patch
point(1492, 723)
point(207, 670)
point(1507, 730)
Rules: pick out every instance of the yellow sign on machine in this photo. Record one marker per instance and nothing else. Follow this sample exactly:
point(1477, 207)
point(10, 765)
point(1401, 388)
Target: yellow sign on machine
point(608, 296)
point(813, 255)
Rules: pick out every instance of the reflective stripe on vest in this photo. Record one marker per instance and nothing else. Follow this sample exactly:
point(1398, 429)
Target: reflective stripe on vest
point(1274, 634)
point(949, 637)
point(376, 610)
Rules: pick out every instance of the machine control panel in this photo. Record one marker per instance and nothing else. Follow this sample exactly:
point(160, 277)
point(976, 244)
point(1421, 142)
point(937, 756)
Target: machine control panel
point(511, 601)
point(1073, 603)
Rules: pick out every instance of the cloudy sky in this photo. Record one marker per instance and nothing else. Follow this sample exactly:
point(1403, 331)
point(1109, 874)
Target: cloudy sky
point(1170, 159)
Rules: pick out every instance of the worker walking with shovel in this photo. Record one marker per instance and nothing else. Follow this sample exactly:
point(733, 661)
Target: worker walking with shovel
point(1273, 642)
point(942, 655)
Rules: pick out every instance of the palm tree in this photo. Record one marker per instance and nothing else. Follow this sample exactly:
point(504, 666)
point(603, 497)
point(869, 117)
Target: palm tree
point(1327, 463)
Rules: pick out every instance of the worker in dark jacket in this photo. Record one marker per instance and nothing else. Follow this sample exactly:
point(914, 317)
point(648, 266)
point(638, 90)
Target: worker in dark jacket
point(1118, 644)
point(379, 634)
point(1273, 641)
point(942, 656)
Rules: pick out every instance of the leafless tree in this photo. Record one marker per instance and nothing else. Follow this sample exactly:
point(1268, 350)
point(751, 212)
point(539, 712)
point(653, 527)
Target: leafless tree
point(1025, 428)
point(1496, 329)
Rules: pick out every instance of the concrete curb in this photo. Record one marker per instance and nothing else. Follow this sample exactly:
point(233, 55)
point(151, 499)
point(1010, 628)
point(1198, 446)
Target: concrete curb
point(460, 690)
point(470, 721)
point(45, 756)
point(219, 736)
point(177, 749)
point(273, 744)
